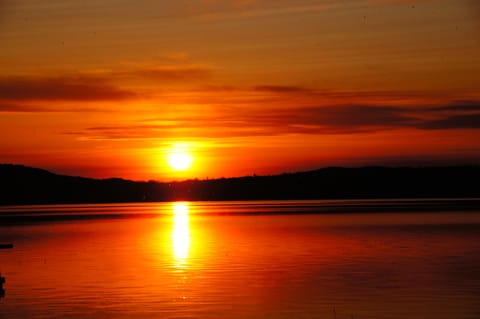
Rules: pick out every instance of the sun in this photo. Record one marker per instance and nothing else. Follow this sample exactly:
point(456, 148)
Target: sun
point(180, 160)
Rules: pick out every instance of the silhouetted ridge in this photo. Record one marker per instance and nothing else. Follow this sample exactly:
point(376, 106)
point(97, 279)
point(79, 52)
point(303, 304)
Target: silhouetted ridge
point(26, 185)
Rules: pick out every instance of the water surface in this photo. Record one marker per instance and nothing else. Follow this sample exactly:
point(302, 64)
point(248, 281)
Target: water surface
point(300, 259)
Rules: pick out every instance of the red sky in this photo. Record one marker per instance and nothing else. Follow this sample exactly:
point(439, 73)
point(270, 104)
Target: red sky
point(108, 88)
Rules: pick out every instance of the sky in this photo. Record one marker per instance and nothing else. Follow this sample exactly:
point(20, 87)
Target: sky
point(111, 88)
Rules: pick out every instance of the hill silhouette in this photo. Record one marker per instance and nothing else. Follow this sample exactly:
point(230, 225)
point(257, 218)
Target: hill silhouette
point(21, 185)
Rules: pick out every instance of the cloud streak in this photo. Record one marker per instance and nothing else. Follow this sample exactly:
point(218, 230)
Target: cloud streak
point(230, 9)
point(345, 119)
point(281, 89)
point(94, 86)
point(62, 88)
point(11, 107)
point(463, 121)
point(166, 73)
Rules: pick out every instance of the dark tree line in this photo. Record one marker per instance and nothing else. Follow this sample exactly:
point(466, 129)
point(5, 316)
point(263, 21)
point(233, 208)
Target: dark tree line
point(21, 185)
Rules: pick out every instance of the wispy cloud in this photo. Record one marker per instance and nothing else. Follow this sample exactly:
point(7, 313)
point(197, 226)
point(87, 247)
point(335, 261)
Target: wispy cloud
point(348, 118)
point(13, 107)
point(460, 106)
point(463, 121)
point(222, 9)
point(281, 89)
point(361, 118)
point(343, 119)
point(165, 73)
point(60, 88)
point(91, 86)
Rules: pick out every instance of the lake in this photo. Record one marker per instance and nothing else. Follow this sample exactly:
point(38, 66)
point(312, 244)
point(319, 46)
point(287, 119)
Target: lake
point(280, 259)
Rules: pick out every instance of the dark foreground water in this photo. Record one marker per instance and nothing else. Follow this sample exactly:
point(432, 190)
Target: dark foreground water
point(312, 259)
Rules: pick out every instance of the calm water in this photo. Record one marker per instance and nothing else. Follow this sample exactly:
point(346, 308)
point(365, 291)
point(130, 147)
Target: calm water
point(336, 259)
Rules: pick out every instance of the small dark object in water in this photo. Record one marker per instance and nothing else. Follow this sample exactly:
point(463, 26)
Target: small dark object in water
point(2, 281)
point(6, 246)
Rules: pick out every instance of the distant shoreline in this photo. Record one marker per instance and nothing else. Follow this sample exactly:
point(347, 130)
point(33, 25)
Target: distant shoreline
point(21, 185)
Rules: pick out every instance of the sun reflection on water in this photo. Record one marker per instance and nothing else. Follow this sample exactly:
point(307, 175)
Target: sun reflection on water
point(181, 232)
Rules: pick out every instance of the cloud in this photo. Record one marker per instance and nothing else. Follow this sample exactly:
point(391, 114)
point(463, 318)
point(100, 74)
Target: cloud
point(456, 115)
point(12, 107)
point(460, 106)
point(343, 119)
point(281, 89)
point(362, 118)
point(464, 121)
point(61, 88)
point(351, 117)
point(92, 86)
point(230, 9)
point(166, 73)
point(339, 119)
point(22, 107)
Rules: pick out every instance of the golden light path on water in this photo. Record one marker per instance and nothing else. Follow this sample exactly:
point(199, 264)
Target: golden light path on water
point(180, 232)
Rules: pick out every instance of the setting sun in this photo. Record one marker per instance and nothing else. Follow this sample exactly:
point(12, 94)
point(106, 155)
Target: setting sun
point(179, 160)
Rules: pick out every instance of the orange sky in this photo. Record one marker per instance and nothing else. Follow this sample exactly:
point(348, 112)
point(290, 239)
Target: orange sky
point(106, 88)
